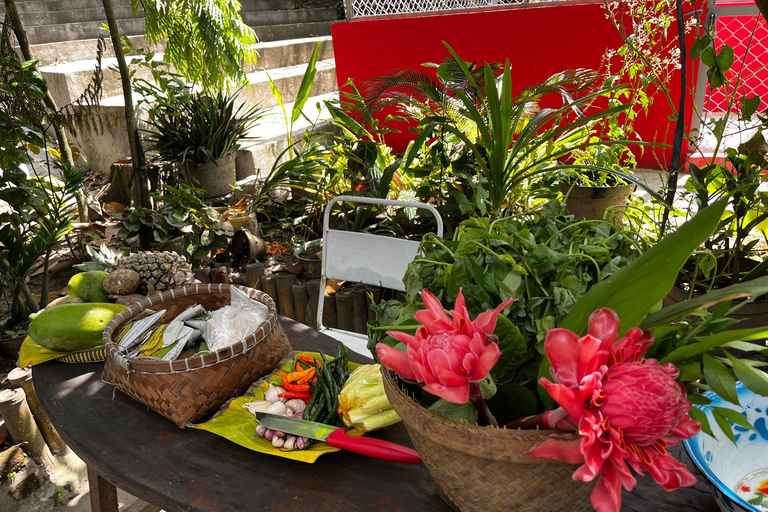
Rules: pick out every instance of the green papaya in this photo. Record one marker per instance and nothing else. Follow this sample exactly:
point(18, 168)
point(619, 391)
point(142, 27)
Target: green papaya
point(72, 327)
point(88, 286)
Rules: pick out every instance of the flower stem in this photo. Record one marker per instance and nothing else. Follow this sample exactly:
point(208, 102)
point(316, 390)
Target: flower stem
point(484, 416)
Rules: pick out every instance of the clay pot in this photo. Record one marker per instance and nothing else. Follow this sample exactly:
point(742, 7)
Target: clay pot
point(591, 203)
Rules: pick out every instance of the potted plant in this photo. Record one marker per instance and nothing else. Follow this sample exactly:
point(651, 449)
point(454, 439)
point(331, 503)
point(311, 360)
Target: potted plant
point(589, 193)
point(200, 131)
point(607, 407)
point(507, 141)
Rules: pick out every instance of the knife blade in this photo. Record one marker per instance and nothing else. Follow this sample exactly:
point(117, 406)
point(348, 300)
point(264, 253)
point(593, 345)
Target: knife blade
point(337, 437)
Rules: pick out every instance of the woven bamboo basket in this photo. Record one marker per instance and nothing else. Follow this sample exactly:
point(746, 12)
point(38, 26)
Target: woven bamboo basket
point(482, 469)
point(188, 389)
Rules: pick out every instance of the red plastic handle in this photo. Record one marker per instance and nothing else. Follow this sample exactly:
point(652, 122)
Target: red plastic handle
point(376, 448)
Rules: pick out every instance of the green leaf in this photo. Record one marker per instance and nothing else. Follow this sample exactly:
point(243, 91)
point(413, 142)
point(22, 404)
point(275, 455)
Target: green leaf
point(305, 88)
point(699, 415)
point(711, 342)
point(724, 59)
point(465, 413)
point(755, 380)
point(733, 416)
point(749, 106)
point(511, 343)
point(631, 292)
point(698, 399)
point(755, 287)
point(719, 378)
point(724, 425)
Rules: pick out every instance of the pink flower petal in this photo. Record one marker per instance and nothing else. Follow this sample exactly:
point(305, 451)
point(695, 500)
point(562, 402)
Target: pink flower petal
point(433, 324)
point(604, 325)
point(563, 350)
point(449, 378)
point(487, 360)
point(406, 338)
point(565, 447)
point(565, 397)
point(434, 306)
point(437, 359)
point(395, 360)
point(486, 321)
point(606, 496)
point(453, 394)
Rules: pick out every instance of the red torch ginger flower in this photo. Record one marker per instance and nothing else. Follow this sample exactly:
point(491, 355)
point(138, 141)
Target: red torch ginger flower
point(626, 409)
point(448, 352)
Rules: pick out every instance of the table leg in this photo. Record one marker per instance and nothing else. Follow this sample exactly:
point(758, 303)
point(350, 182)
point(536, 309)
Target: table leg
point(103, 493)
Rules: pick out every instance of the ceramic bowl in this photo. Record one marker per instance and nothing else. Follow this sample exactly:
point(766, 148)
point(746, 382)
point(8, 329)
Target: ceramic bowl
point(735, 471)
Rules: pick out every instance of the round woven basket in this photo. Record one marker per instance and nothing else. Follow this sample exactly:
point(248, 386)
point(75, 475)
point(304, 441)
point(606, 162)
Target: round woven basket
point(186, 390)
point(483, 469)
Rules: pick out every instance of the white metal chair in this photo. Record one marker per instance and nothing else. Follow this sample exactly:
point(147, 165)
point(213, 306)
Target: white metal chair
point(365, 258)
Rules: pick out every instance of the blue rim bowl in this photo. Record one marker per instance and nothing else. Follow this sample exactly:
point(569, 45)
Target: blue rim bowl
point(701, 448)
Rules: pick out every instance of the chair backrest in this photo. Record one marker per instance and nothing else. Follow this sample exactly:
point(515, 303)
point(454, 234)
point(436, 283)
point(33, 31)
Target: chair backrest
point(366, 258)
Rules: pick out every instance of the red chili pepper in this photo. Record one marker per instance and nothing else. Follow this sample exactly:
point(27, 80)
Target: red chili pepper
point(301, 388)
point(310, 360)
point(294, 394)
point(310, 374)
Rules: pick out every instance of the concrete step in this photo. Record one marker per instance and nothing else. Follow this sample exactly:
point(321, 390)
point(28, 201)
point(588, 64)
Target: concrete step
point(61, 5)
point(287, 17)
point(290, 52)
point(288, 80)
point(67, 81)
point(33, 19)
point(79, 31)
point(271, 135)
point(62, 52)
point(265, 5)
point(292, 31)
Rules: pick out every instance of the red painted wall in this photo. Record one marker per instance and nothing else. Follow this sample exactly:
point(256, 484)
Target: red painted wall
point(538, 39)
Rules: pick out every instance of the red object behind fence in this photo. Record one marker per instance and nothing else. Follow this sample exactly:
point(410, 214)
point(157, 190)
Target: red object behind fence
point(538, 39)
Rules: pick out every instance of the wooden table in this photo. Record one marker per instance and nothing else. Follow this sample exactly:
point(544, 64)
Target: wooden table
point(126, 445)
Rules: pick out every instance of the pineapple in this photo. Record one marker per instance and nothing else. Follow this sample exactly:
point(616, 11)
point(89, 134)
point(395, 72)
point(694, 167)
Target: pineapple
point(159, 271)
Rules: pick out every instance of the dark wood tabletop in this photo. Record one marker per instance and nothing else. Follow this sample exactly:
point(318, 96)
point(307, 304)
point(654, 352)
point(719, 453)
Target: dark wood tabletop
point(191, 470)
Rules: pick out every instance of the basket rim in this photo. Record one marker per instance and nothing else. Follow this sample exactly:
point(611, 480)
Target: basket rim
point(446, 430)
point(197, 362)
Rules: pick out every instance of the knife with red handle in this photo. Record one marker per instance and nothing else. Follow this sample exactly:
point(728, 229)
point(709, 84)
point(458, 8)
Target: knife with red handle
point(337, 437)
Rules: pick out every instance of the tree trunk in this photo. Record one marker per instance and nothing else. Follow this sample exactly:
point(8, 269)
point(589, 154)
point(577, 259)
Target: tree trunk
point(137, 152)
point(763, 6)
point(61, 136)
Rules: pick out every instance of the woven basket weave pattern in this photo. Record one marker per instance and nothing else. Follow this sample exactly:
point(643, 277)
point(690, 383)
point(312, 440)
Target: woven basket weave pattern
point(186, 390)
point(482, 469)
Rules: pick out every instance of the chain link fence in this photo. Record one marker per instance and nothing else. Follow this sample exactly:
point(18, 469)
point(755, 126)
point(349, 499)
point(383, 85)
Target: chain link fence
point(750, 57)
point(363, 8)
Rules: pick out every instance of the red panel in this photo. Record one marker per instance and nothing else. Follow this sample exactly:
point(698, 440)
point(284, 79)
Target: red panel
point(538, 39)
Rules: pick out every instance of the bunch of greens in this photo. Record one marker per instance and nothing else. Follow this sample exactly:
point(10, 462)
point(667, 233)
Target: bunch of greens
point(544, 259)
point(184, 216)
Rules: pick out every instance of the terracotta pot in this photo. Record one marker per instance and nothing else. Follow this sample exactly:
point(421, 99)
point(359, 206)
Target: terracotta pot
point(591, 203)
point(751, 315)
point(216, 178)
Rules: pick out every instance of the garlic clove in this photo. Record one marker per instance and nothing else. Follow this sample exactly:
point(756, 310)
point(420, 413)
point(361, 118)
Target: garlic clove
point(277, 408)
point(257, 406)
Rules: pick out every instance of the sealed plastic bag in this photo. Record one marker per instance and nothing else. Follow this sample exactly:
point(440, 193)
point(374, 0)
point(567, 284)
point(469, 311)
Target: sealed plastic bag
point(235, 322)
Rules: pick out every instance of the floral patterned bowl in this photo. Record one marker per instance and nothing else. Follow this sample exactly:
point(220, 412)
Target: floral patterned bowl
point(736, 472)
